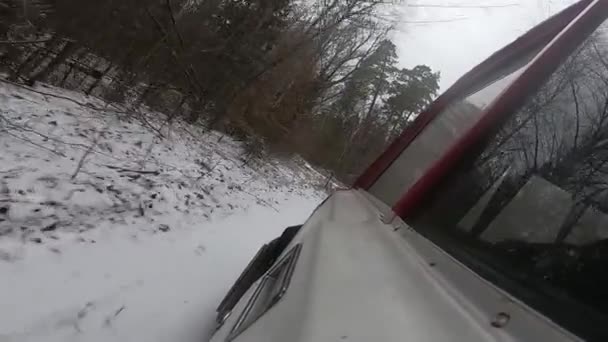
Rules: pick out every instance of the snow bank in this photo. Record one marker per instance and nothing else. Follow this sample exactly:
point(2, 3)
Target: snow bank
point(109, 232)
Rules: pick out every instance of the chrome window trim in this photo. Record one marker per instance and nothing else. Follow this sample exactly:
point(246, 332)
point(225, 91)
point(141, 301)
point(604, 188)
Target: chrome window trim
point(289, 261)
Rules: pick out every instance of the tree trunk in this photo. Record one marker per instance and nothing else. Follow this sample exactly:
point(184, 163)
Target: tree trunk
point(142, 97)
point(23, 66)
point(505, 192)
point(373, 103)
point(78, 56)
point(573, 217)
point(177, 108)
point(98, 80)
point(66, 50)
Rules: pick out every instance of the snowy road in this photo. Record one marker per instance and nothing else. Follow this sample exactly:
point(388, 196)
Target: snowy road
point(158, 288)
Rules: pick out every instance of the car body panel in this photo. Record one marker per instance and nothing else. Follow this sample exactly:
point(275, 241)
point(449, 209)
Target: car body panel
point(361, 279)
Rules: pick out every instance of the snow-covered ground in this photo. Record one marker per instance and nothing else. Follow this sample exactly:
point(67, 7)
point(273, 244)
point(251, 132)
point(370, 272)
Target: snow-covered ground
point(109, 232)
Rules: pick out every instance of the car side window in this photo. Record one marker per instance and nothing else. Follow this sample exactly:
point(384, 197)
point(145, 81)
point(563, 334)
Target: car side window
point(270, 290)
point(528, 207)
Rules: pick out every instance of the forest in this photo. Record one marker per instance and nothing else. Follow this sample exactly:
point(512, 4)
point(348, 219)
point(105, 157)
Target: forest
point(319, 79)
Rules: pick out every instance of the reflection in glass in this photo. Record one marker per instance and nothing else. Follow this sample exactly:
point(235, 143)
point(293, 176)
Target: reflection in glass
point(533, 202)
point(444, 130)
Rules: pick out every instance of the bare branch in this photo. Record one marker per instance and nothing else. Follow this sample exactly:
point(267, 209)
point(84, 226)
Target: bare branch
point(24, 42)
point(461, 6)
point(435, 21)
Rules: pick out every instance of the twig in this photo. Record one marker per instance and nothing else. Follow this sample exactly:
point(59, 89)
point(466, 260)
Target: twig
point(461, 6)
point(49, 203)
point(45, 93)
point(24, 42)
point(35, 144)
point(435, 21)
point(145, 122)
point(88, 105)
point(87, 152)
point(76, 145)
point(109, 319)
point(260, 200)
point(120, 169)
point(119, 311)
point(174, 23)
point(27, 129)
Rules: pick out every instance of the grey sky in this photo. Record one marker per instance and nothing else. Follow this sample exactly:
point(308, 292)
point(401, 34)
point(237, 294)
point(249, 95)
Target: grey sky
point(454, 47)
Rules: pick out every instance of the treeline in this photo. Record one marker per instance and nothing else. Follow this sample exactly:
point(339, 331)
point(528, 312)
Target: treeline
point(315, 78)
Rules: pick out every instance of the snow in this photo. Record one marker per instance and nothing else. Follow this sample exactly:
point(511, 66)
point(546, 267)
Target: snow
point(111, 232)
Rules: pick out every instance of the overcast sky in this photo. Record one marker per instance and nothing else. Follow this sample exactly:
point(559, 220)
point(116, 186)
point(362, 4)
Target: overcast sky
point(468, 35)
